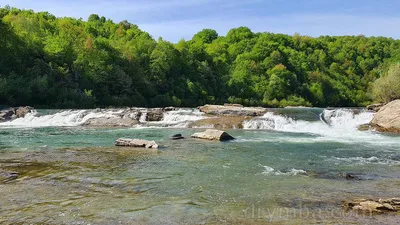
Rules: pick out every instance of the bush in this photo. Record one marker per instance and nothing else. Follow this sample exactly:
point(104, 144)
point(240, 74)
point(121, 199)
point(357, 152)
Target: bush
point(387, 88)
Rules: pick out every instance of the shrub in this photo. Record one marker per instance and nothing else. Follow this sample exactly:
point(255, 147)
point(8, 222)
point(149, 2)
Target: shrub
point(387, 88)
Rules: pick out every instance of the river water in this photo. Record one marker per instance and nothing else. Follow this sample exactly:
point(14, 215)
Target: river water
point(286, 167)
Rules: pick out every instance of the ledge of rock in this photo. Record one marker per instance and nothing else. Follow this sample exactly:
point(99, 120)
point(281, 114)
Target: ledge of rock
point(374, 206)
point(215, 135)
point(226, 122)
point(110, 122)
point(14, 113)
point(137, 143)
point(387, 119)
point(232, 110)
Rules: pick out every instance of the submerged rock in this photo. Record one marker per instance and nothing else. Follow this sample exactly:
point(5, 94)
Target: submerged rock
point(387, 119)
point(177, 137)
point(233, 110)
point(364, 127)
point(212, 134)
point(138, 143)
point(373, 206)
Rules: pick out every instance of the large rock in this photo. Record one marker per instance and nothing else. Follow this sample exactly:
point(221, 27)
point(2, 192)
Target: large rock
point(225, 122)
point(387, 119)
point(215, 135)
point(137, 143)
point(232, 110)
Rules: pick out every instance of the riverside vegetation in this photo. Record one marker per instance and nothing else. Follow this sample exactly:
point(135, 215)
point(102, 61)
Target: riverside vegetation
point(50, 62)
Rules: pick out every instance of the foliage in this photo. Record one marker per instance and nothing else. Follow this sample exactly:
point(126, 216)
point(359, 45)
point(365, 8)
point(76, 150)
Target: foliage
point(387, 88)
point(70, 63)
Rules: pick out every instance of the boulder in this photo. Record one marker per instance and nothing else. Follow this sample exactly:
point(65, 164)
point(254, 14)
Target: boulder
point(375, 107)
point(211, 134)
point(110, 122)
point(177, 137)
point(387, 119)
point(364, 127)
point(22, 111)
point(137, 143)
point(232, 110)
point(225, 122)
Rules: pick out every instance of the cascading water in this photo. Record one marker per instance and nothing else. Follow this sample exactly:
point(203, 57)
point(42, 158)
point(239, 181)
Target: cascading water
point(180, 118)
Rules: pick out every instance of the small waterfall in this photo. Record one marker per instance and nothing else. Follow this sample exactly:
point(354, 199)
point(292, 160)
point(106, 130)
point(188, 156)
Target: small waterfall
point(339, 122)
point(143, 117)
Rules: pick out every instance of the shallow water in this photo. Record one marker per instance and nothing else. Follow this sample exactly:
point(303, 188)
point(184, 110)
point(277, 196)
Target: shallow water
point(286, 174)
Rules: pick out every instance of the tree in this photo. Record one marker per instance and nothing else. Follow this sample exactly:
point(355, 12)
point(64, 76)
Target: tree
point(387, 88)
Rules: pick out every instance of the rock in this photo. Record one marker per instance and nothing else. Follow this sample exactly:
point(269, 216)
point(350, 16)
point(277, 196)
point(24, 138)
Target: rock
point(168, 109)
point(177, 137)
point(6, 176)
point(22, 111)
point(372, 206)
point(375, 107)
point(364, 127)
point(235, 105)
point(348, 176)
point(225, 122)
point(212, 134)
point(387, 119)
point(12, 113)
point(110, 122)
point(155, 115)
point(232, 110)
point(138, 143)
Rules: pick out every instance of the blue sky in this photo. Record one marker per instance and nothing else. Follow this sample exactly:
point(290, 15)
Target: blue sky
point(176, 19)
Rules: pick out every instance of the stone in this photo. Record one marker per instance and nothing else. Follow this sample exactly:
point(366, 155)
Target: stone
point(155, 115)
point(387, 119)
point(137, 143)
point(364, 127)
point(176, 137)
point(375, 107)
point(372, 206)
point(225, 122)
point(110, 122)
point(12, 113)
point(232, 110)
point(211, 134)
point(22, 111)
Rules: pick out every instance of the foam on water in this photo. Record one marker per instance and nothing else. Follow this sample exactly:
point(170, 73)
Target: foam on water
point(335, 125)
point(180, 118)
point(293, 172)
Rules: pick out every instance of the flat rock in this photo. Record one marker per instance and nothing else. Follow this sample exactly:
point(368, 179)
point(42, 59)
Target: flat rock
point(176, 137)
point(137, 143)
point(387, 119)
point(110, 122)
point(215, 135)
point(232, 110)
point(225, 122)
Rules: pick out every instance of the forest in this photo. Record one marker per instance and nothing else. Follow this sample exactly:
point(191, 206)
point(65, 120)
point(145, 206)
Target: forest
point(51, 62)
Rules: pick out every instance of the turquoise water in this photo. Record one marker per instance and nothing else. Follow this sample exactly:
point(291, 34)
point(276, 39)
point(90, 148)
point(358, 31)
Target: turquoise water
point(74, 175)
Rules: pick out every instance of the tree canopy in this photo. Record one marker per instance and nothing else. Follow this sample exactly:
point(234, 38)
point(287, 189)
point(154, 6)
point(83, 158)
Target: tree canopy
point(53, 62)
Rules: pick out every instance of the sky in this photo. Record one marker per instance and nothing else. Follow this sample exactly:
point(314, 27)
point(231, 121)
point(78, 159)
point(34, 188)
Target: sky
point(177, 19)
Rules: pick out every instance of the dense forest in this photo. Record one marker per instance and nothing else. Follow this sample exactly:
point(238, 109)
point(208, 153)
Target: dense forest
point(52, 62)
